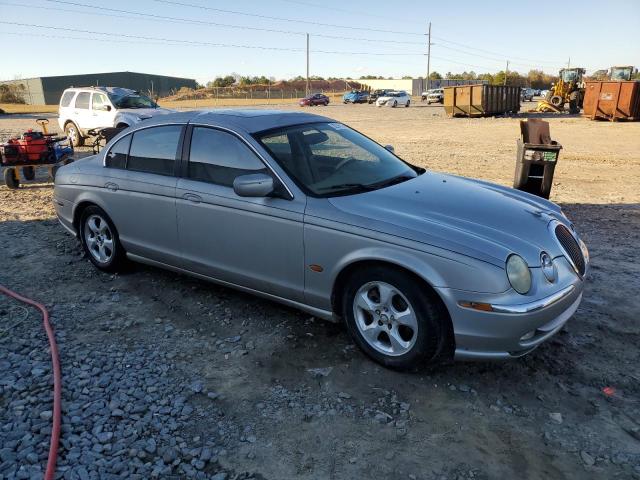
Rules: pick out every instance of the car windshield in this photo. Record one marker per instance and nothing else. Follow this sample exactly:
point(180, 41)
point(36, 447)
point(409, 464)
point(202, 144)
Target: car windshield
point(132, 100)
point(331, 159)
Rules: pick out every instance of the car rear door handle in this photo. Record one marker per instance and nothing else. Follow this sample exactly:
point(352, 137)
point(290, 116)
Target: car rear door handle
point(192, 197)
point(111, 186)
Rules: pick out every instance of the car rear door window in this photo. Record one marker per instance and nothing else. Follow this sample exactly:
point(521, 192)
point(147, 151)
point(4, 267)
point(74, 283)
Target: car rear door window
point(65, 101)
point(117, 155)
point(154, 150)
point(219, 157)
point(82, 100)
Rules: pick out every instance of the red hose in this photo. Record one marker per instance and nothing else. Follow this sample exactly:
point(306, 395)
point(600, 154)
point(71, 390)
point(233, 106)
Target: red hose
point(57, 387)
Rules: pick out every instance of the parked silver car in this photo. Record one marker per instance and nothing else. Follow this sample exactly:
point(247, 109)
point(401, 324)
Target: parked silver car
point(304, 210)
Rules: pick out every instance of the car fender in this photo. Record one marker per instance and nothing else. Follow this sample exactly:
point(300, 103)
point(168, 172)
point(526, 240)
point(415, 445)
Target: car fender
point(126, 118)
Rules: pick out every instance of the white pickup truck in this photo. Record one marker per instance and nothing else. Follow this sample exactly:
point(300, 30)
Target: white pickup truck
point(435, 95)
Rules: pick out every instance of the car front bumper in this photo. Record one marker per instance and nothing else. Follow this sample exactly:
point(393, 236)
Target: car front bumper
point(511, 329)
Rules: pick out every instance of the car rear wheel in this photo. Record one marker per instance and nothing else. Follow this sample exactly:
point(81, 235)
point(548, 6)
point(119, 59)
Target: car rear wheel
point(407, 104)
point(73, 134)
point(100, 241)
point(392, 319)
point(395, 104)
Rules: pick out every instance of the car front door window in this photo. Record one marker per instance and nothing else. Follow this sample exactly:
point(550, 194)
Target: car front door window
point(219, 157)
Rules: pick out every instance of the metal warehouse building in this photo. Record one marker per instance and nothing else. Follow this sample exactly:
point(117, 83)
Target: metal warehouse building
point(48, 90)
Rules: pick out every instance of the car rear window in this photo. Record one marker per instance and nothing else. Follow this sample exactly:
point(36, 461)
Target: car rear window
point(65, 101)
point(82, 100)
point(154, 150)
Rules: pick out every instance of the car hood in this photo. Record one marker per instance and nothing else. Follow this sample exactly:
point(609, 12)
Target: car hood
point(471, 217)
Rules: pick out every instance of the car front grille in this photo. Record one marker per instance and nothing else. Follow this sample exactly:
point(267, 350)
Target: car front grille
point(571, 248)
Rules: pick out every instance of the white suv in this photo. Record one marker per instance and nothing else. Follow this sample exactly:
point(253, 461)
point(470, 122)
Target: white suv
point(88, 108)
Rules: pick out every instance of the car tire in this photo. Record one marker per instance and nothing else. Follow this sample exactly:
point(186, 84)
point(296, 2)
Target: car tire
point(11, 179)
point(407, 104)
point(73, 134)
point(100, 240)
point(395, 104)
point(399, 344)
point(29, 173)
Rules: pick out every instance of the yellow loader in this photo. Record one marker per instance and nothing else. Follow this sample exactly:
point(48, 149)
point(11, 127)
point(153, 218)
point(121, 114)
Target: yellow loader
point(568, 89)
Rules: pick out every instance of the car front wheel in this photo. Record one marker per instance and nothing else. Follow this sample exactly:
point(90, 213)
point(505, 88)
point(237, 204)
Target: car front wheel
point(392, 319)
point(100, 240)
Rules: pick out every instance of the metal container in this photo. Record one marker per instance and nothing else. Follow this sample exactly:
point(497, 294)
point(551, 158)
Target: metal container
point(481, 100)
point(612, 100)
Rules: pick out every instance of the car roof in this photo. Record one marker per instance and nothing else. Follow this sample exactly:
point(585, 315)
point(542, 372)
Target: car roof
point(114, 90)
point(249, 120)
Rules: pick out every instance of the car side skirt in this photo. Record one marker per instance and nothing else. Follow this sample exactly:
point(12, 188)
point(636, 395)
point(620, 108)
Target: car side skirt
point(316, 312)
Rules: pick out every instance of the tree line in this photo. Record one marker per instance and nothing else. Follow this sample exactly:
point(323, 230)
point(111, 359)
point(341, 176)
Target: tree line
point(534, 79)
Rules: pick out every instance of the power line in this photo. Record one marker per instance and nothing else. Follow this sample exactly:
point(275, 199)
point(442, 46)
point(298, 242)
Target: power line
point(166, 18)
point(489, 58)
point(211, 44)
point(284, 19)
point(535, 62)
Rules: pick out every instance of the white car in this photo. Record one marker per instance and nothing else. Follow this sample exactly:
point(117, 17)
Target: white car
point(88, 108)
point(393, 99)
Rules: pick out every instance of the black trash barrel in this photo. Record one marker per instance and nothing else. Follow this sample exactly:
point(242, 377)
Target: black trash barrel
point(535, 166)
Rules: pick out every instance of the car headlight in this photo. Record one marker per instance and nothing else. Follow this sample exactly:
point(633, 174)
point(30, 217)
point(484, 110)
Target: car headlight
point(585, 251)
point(518, 274)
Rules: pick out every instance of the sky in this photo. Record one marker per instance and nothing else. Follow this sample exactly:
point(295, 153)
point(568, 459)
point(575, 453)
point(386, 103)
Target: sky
point(204, 39)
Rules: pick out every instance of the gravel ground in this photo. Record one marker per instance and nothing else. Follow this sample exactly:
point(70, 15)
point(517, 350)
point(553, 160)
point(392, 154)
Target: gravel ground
point(165, 376)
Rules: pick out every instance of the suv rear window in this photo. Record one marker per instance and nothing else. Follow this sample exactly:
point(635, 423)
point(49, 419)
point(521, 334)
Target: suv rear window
point(82, 100)
point(65, 101)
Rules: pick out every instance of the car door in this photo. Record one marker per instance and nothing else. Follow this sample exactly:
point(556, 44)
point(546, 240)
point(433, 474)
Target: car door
point(252, 242)
point(139, 191)
point(101, 111)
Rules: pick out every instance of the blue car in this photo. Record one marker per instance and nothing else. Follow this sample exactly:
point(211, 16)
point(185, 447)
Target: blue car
point(355, 96)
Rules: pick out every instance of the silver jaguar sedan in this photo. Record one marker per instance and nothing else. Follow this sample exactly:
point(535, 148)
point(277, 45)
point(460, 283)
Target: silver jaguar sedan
point(303, 210)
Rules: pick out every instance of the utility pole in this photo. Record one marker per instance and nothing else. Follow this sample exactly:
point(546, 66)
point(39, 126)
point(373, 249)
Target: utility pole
point(569, 63)
point(506, 73)
point(429, 58)
point(307, 66)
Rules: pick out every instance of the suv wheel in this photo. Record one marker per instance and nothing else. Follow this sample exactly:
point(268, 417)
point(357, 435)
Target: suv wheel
point(73, 133)
point(391, 318)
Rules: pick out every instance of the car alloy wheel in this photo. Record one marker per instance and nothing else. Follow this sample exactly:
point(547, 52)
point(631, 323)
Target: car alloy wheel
point(99, 239)
point(385, 318)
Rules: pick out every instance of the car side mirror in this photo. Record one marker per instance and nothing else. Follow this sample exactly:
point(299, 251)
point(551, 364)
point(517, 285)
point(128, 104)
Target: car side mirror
point(253, 185)
point(106, 108)
point(390, 148)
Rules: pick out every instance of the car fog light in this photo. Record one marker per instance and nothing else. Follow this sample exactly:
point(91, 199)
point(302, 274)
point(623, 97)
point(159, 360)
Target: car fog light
point(518, 274)
point(527, 336)
point(548, 268)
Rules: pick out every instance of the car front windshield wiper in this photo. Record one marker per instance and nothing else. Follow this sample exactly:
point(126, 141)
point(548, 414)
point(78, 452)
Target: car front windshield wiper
point(362, 187)
point(351, 186)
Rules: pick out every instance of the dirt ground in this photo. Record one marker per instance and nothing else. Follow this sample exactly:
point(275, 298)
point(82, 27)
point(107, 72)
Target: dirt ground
point(295, 399)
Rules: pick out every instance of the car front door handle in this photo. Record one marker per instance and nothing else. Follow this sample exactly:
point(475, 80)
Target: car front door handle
point(111, 186)
point(192, 197)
